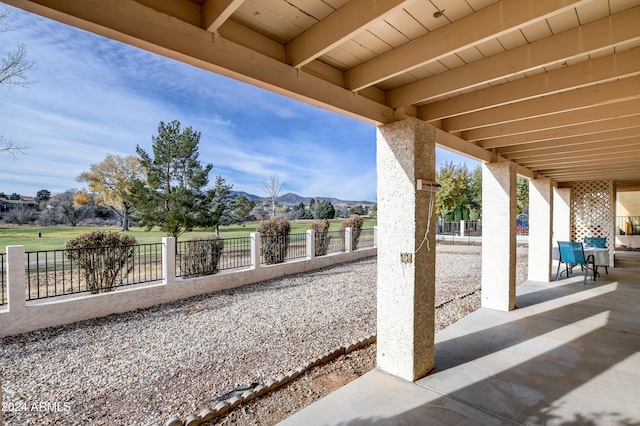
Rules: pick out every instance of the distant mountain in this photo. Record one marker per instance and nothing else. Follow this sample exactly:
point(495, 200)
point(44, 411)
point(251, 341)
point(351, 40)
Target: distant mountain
point(291, 199)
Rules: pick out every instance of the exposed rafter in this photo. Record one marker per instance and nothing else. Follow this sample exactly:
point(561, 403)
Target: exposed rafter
point(335, 29)
point(617, 91)
point(455, 37)
point(217, 12)
point(570, 77)
point(598, 35)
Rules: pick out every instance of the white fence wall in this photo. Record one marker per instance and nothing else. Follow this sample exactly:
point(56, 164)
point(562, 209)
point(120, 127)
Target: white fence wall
point(19, 316)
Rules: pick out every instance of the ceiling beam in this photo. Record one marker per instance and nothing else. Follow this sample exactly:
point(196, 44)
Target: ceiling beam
point(156, 32)
point(217, 12)
point(578, 143)
point(629, 144)
point(626, 168)
point(616, 91)
point(601, 154)
point(558, 136)
point(337, 28)
point(591, 37)
point(185, 10)
point(560, 120)
point(490, 22)
point(453, 143)
point(603, 69)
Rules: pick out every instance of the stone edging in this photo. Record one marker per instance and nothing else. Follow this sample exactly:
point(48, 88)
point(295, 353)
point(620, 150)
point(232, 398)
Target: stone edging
point(251, 392)
point(460, 297)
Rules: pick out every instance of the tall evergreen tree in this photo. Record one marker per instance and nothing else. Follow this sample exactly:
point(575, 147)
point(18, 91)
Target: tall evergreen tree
point(219, 205)
point(173, 196)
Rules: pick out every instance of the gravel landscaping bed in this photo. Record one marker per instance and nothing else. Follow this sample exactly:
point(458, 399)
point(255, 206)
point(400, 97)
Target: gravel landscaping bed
point(142, 367)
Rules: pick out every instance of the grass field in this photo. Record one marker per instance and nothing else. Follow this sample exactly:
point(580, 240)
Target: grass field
point(41, 238)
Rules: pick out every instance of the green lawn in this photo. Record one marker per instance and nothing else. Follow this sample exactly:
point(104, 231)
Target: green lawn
point(40, 238)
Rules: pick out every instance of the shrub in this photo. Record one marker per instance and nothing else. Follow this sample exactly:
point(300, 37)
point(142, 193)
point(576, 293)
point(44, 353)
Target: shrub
point(355, 223)
point(201, 256)
point(104, 256)
point(321, 244)
point(274, 234)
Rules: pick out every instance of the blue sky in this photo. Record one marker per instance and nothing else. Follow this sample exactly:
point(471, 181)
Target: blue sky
point(94, 96)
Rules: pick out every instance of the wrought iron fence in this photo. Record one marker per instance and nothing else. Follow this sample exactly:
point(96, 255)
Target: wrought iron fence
point(473, 228)
point(365, 239)
point(3, 281)
point(336, 241)
point(297, 246)
point(94, 270)
point(274, 248)
point(208, 256)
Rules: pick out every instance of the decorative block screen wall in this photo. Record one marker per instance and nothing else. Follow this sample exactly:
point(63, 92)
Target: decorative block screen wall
point(593, 212)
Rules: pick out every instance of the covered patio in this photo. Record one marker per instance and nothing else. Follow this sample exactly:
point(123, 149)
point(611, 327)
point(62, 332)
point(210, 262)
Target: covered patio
point(545, 89)
point(567, 355)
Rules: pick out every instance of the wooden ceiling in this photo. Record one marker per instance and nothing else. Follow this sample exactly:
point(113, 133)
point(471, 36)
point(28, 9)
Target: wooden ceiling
point(552, 85)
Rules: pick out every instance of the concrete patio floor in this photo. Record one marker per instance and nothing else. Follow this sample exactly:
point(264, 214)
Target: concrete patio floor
point(568, 355)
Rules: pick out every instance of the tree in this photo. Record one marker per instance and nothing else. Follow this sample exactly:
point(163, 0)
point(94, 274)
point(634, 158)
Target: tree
point(241, 209)
point(522, 194)
point(454, 181)
point(65, 210)
point(14, 69)
point(273, 187)
point(15, 196)
point(43, 196)
point(112, 179)
point(357, 210)
point(325, 210)
point(475, 189)
point(219, 205)
point(172, 197)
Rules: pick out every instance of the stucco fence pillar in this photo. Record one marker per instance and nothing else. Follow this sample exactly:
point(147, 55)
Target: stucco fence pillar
point(406, 289)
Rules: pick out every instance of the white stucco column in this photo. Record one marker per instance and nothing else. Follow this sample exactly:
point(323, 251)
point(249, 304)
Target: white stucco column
point(561, 215)
point(406, 290)
point(169, 260)
point(499, 235)
point(540, 229)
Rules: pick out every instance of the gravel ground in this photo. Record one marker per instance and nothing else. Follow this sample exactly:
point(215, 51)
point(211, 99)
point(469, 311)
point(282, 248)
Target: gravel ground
point(141, 367)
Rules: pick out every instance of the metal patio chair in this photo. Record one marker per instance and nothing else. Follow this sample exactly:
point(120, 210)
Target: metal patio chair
point(572, 255)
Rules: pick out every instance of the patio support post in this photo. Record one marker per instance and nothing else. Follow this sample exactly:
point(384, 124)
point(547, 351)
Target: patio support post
point(499, 235)
point(406, 275)
point(540, 229)
point(561, 215)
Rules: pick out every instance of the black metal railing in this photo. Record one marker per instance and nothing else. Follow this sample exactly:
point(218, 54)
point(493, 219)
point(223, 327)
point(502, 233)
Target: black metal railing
point(365, 239)
point(473, 228)
point(3, 281)
point(208, 256)
point(274, 248)
point(336, 241)
point(55, 273)
point(93, 270)
point(297, 246)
